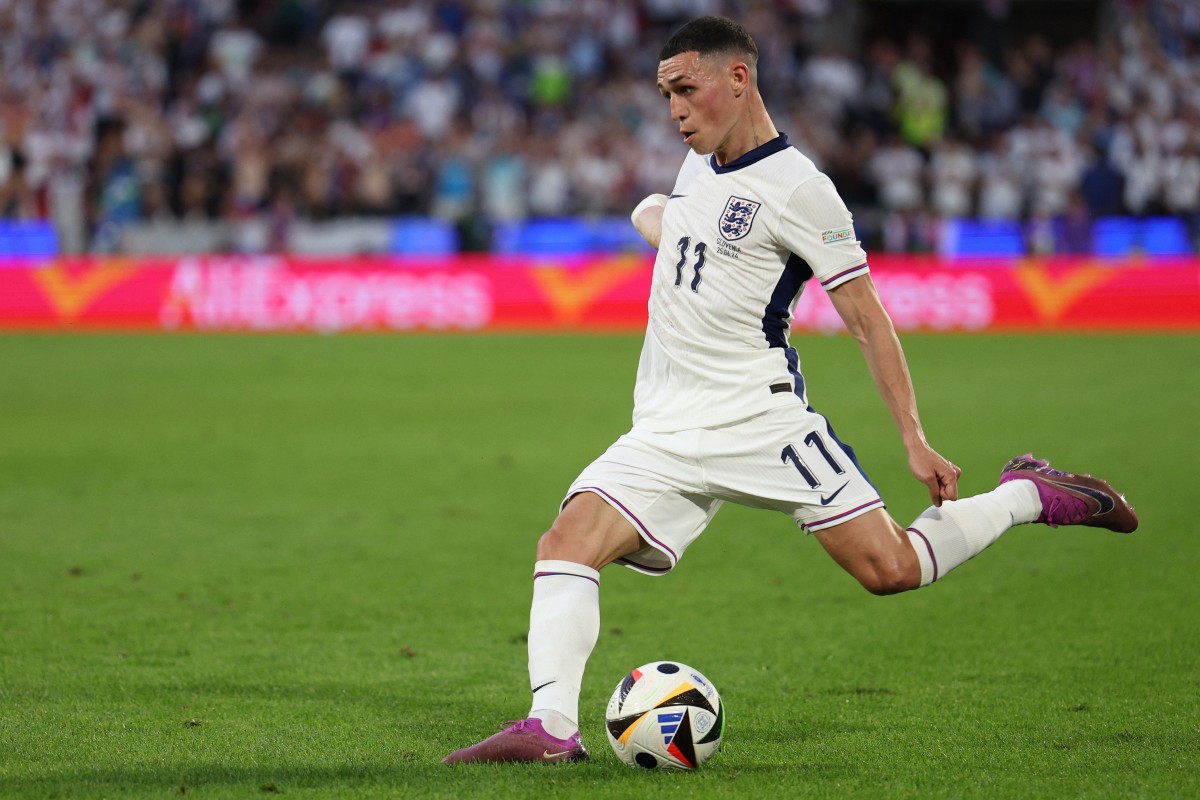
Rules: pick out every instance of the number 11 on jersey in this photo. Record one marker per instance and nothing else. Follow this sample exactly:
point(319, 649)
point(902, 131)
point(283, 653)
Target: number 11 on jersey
point(701, 248)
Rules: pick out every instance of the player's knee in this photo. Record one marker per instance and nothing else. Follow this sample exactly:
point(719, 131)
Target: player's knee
point(550, 544)
point(590, 534)
point(889, 578)
point(562, 542)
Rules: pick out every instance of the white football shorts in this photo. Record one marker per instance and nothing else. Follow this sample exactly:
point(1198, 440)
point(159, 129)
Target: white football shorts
point(670, 485)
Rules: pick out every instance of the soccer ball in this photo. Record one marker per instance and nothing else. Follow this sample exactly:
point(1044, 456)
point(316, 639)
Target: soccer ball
point(665, 715)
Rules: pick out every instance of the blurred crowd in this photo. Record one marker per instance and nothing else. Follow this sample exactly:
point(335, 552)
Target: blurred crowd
point(477, 111)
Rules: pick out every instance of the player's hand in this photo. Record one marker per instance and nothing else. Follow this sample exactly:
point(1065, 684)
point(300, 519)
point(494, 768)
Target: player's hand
point(938, 474)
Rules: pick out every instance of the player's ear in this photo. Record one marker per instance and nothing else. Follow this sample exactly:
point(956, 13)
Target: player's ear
point(739, 77)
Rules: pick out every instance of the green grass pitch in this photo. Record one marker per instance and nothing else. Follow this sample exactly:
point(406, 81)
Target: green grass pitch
point(237, 566)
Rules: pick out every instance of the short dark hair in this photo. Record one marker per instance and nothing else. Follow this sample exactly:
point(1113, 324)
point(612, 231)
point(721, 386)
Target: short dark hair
point(708, 35)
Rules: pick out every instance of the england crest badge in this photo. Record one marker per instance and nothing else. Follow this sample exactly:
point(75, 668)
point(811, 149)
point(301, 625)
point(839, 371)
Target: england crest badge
point(737, 217)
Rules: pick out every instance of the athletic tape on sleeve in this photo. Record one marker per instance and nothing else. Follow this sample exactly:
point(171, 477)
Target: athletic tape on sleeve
point(659, 200)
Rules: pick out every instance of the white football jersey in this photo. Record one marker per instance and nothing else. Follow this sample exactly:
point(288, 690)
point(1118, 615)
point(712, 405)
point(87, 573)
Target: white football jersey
point(739, 242)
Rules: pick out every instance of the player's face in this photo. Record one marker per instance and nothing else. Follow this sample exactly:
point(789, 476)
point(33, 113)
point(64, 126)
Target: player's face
point(702, 99)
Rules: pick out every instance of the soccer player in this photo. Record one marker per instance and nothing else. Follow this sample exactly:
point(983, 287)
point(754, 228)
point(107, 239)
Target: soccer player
point(721, 412)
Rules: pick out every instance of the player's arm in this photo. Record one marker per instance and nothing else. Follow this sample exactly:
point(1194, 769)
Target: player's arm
point(647, 218)
point(858, 304)
point(648, 215)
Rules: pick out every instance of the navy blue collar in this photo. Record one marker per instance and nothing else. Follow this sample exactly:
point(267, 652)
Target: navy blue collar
point(772, 147)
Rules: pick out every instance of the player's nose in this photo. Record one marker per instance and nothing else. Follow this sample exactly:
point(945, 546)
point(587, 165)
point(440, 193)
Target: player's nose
point(678, 108)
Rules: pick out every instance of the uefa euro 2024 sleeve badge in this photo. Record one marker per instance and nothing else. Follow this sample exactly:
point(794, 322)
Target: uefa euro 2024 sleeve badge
point(737, 217)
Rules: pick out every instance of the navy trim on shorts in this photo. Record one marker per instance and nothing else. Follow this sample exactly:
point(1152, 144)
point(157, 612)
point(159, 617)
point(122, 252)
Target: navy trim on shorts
point(864, 507)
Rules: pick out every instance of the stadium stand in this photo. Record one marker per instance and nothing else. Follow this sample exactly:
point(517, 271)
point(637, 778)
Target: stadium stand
point(444, 125)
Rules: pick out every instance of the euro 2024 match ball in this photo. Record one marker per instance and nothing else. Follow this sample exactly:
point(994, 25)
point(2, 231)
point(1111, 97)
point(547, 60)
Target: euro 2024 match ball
point(665, 715)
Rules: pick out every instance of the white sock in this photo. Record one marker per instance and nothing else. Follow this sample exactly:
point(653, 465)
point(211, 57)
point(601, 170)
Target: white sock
point(564, 624)
point(959, 530)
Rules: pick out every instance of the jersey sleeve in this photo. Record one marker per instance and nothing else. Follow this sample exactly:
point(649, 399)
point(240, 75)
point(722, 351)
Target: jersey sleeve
point(816, 226)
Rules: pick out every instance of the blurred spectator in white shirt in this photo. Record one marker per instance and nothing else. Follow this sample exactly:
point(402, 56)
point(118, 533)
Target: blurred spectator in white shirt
point(1182, 185)
point(1001, 193)
point(347, 40)
point(952, 177)
point(898, 171)
point(234, 51)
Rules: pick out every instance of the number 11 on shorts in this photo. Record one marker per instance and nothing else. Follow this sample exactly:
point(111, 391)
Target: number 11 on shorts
point(792, 455)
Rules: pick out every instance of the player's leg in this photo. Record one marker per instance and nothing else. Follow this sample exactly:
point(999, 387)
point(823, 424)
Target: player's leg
point(887, 559)
point(564, 623)
point(626, 506)
point(790, 459)
point(564, 616)
point(875, 550)
point(589, 531)
point(945, 537)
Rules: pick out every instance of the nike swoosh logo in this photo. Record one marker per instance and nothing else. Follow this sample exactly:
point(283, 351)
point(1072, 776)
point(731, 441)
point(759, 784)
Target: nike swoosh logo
point(547, 755)
point(1106, 502)
point(543, 686)
point(827, 500)
point(673, 196)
